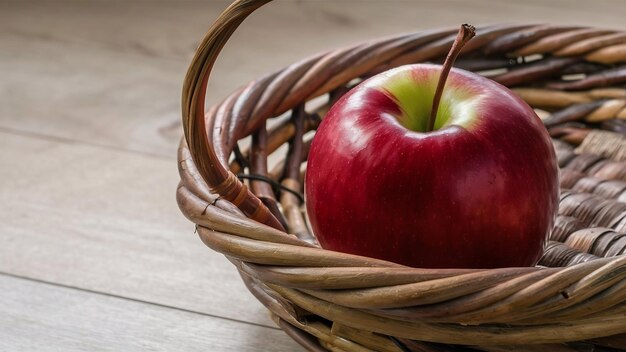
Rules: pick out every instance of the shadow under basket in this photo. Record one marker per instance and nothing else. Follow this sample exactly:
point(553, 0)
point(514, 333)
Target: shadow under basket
point(575, 300)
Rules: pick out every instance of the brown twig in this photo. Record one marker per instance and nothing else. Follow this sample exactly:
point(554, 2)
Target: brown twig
point(466, 32)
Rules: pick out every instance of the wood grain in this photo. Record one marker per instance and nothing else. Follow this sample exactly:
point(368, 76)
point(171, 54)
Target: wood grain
point(41, 317)
point(73, 214)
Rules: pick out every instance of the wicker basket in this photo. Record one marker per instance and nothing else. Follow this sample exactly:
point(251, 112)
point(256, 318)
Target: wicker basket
point(574, 301)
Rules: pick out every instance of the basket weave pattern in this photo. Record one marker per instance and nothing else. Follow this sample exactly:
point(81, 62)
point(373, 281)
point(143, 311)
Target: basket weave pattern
point(334, 301)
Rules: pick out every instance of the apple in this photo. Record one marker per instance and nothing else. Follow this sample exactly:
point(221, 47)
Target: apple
point(476, 186)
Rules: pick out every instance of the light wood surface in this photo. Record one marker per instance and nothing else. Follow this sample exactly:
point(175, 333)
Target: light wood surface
point(39, 317)
point(94, 251)
point(80, 216)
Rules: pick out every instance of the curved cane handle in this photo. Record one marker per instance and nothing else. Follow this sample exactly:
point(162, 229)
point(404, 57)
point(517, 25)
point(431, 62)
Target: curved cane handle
point(219, 179)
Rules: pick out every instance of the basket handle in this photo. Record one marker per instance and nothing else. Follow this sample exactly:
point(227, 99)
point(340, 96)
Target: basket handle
point(219, 179)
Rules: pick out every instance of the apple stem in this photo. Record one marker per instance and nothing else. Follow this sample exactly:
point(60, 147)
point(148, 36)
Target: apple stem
point(466, 32)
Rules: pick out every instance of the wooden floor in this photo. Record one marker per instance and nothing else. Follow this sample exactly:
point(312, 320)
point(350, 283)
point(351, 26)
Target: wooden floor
point(94, 254)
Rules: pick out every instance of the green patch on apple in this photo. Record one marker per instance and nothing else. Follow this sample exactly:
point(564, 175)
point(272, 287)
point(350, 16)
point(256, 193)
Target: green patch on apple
point(414, 96)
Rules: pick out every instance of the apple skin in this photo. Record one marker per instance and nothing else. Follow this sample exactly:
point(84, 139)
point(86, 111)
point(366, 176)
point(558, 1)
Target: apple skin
point(480, 191)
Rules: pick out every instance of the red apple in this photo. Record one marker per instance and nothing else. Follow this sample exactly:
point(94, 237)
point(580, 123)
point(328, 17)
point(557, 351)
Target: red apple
point(478, 191)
